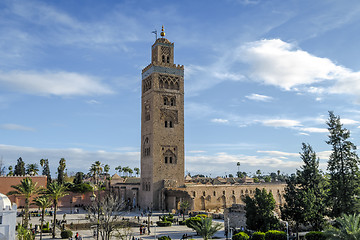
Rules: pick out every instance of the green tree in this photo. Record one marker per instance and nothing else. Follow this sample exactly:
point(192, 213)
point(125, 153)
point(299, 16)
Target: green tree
point(42, 202)
point(27, 188)
point(106, 169)
point(343, 169)
point(32, 169)
point(119, 169)
point(55, 192)
point(184, 206)
point(95, 170)
point(349, 228)
point(61, 171)
point(11, 172)
point(19, 168)
point(205, 227)
point(79, 177)
point(137, 171)
point(305, 193)
point(260, 211)
point(44, 163)
point(312, 188)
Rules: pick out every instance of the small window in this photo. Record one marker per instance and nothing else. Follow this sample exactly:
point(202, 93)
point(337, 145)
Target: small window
point(163, 58)
point(233, 192)
point(224, 192)
point(194, 194)
point(166, 101)
point(204, 194)
point(166, 159)
point(166, 124)
point(170, 159)
point(172, 102)
point(214, 193)
point(168, 59)
point(170, 124)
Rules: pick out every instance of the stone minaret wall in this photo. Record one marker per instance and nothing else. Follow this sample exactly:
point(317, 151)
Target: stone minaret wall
point(162, 125)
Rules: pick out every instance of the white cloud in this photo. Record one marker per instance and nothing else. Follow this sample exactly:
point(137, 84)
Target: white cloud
point(259, 97)
point(12, 126)
point(278, 63)
point(219, 120)
point(53, 83)
point(77, 159)
point(280, 153)
point(347, 121)
point(281, 123)
point(314, 130)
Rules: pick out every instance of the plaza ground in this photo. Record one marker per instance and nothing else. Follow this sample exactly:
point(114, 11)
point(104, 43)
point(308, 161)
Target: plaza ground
point(174, 232)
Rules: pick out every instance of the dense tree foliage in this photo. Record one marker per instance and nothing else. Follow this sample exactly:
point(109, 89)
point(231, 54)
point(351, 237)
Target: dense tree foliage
point(19, 168)
point(56, 191)
point(260, 211)
point(27, 188)
point(44, 163)
point(61, 171)
point(343, 169)
point(305, 193)
point(348, 227)
point(32, 169)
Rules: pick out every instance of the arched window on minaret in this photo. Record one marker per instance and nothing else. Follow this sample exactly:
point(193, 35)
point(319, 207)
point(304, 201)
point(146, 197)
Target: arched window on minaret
point(168, 59)
point(163, 58)
point(166, 101)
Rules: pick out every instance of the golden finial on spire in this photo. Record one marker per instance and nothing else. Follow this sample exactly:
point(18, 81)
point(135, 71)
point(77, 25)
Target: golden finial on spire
point(162, 34)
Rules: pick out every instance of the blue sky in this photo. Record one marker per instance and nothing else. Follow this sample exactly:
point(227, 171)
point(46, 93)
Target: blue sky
point(260, 78)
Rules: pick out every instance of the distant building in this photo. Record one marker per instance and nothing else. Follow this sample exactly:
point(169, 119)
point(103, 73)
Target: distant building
point(7, 218)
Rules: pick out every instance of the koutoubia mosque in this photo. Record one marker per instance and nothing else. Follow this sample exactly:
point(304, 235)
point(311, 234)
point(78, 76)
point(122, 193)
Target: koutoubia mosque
point(163, 185)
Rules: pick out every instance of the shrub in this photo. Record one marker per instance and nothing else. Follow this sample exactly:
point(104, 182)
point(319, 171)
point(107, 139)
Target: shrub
point(191, 221)
point(164, 238)
point(258, 236)
point(275, 235)
point(181, 222)
point(163, 223)
point(315, 236)
point(66, 234)
point(240, 236)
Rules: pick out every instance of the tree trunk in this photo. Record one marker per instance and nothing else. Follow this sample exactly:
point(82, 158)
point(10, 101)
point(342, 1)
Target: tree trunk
point(42, 222)
point(54, 223)
point(26, 218)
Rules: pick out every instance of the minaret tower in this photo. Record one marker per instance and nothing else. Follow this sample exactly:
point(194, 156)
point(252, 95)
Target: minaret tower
point(162, 124)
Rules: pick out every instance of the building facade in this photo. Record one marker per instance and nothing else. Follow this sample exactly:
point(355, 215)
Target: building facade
point(162, 124)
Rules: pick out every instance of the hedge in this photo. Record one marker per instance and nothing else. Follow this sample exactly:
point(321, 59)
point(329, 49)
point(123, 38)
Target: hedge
point(66, 234)
point(240, 236)
point(258, 236)
point(163, 223)
point(275, 235)
point(164, 238)
point(315, 236)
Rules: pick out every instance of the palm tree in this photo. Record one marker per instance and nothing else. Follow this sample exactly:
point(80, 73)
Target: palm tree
point(205, 227)
point(26, 188)
point(184, 206)
point(96, 169)
point(55, 192)
point(137, 171)
point(43, 202)
point(349, 228)
point(119, 169)
point(32, 169)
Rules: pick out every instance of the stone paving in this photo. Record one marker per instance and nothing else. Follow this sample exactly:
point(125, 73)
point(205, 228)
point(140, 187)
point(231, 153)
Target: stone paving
point(175, 231)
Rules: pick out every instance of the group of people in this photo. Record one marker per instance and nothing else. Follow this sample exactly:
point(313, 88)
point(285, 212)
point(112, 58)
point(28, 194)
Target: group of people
point(143, 230)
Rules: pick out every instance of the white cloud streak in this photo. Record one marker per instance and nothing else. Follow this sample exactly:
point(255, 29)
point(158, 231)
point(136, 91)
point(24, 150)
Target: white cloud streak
point(17, 127)
point(259, 97)
point(53, 83)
